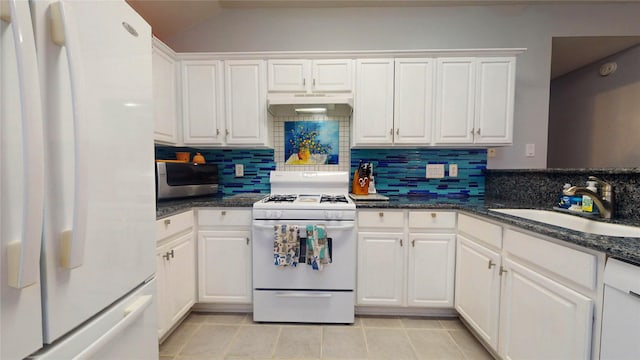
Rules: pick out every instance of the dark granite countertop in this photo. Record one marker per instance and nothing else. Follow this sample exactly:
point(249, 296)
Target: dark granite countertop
point(171, 207)
point(625, 248)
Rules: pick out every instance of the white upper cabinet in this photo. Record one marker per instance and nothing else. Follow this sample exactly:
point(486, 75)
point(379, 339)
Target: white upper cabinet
point(309, 76)
point(373, 102)
point(165, 111)
point(246, 102)
point(413, 101)
point(474, 100)
point(202, 102)
point(495, 82)
point(455, 101)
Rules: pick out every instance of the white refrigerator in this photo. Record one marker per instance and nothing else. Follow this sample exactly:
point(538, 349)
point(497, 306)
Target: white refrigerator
point(77, 199)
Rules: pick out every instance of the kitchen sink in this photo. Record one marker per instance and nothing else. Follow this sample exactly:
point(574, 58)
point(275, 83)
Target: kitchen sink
point(573, 222)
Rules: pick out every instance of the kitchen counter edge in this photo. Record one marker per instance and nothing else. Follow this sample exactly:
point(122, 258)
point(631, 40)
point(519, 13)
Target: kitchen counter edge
point(625, 248)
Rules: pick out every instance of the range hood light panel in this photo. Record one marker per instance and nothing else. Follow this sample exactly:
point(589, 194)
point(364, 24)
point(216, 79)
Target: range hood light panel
point(315, 110)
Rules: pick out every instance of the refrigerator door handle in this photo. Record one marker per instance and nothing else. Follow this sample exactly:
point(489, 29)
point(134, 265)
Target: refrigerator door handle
point(131, 314)
point(23, 255)
point(72, 240)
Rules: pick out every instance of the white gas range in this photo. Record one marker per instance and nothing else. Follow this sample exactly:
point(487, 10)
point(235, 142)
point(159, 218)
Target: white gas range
point(298, 291)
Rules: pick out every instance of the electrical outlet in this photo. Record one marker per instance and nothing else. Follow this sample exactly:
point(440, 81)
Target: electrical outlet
point(239, 170)
point(491, 152)
point(435, 171)
point(453, 170)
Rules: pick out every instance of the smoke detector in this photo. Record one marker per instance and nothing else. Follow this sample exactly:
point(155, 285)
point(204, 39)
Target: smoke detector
point(608, 69)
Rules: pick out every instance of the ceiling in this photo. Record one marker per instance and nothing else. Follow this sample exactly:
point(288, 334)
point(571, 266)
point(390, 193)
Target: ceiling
point(170, 17)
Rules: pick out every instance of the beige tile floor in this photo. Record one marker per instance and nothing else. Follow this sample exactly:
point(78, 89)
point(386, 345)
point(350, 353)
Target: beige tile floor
point(236, 336)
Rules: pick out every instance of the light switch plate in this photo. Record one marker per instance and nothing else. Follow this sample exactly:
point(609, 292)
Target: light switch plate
point(531, 150)
point(453, 170)
point(239, 170)
point(435, 171)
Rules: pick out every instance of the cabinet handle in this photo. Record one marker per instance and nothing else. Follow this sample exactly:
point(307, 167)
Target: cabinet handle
point(166, 256)
point(223, 212)
point(398, 131)
point(304, 82)
point(217, 131)
point(472, 131)
point(502, 270)
point(478, 131)
point(226, 131)
point(247, 241)
point(171, 253)
point(433, 215)
point(314, 82)
point(167, 221)
point(413, 243)
point(401, 243)
point(381, 214)
point(391, 131)
point(491, 264)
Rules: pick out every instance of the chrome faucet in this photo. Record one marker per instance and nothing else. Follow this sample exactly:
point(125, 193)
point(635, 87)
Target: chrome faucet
point(603, 198)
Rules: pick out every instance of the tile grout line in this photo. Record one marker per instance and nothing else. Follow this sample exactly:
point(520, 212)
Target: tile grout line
point(406, 333)
point(198, 326)
point(464, 355)
point(233, 339)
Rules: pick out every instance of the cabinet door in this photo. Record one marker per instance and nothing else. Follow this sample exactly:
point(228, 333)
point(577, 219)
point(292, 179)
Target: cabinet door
point(332, 75)
point(162, 295)
point(380, 268)
point(413, 104)
point(431, 270)
point(181, 277)
point(202, 105)
point(165, 114)
point(224, 266)
point(288, 75)
point(246, 102)
point(495, 83)
point(373, 102)
point(542, 319)
point(455, 94)
point(478, 288)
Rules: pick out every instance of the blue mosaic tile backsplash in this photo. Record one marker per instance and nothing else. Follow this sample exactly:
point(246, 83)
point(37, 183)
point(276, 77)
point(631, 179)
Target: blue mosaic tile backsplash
point(397, 171)
point(402, 171)
point(257, 165)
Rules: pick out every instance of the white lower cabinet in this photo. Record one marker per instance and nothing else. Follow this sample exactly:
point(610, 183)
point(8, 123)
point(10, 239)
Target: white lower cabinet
point(541, 318)
point(526, 296)
point(403, 261)
point(224, 259)
point(478, 288)
point(381, 263)
point(175, 273)
point(224, 256)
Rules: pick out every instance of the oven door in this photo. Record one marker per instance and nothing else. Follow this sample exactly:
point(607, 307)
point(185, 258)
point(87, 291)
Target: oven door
point(340, 274)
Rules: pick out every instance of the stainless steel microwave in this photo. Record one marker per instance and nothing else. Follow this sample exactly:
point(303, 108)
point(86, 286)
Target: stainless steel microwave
point(176, 180)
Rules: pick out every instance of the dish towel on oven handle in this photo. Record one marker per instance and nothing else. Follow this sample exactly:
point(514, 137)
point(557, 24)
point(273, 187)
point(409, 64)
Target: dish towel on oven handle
point(286, 245)
point(317, 247)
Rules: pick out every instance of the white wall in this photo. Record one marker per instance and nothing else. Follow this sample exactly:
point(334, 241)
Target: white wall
point(428, 28)
point(594, 121)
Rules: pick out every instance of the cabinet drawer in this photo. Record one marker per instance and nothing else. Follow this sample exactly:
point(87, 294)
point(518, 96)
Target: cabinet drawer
point(224, 217)
point(432, 220)
point(486, 232)
point(568, 263)
point(173, 225)
point(381, 219)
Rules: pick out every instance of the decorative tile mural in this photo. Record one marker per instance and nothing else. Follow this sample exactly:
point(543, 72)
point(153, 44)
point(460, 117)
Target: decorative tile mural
point(337, 160)
point(257, 166)
point(402, 171)
point(311, 142)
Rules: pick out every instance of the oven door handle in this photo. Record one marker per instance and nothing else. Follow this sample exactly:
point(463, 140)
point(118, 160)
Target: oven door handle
point(270, 226)
point(302, 295)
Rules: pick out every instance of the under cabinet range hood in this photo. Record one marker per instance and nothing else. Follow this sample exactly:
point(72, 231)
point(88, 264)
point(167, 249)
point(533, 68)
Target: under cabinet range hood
point(310, 104)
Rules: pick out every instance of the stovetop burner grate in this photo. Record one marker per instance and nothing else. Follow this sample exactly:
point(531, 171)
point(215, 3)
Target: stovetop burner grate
point(281, 198)
point(333, 199)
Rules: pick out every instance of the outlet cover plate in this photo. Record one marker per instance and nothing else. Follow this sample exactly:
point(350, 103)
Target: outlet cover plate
point(453, 170)
point(435, 171)
point(239, 170)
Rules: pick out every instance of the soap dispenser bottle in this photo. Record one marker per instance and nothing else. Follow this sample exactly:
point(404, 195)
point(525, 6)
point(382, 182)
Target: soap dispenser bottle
point(587, 202)
point(564, 201)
